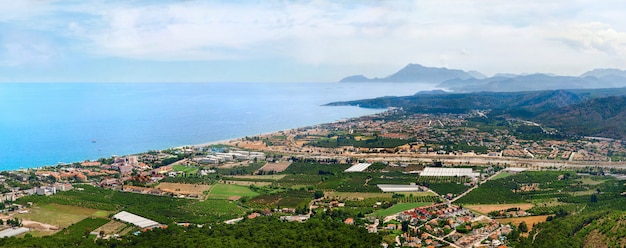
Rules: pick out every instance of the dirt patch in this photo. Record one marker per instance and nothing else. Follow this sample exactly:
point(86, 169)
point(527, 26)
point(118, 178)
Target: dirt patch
point(247, 183)
point(530, 221)
point(484, 209)
point(42, 227)
point(182, 188)
point(233, 198)
point(276, 167)
point(111, 227)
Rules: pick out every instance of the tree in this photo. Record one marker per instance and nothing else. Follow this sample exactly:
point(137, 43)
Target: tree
point(523, 227)
point(318, 194)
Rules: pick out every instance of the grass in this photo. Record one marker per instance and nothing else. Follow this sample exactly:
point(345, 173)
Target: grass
point(185, 169)
point(354, 195)
point(223, 191)
point(399, 208)
point(62, 215)
point(502, 175)
point(262, 177)
point(218, 209)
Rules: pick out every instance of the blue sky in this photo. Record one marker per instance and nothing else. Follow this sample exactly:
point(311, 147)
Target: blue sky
point(301, 41)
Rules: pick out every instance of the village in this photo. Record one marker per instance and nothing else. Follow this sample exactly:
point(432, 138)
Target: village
point(414, 167)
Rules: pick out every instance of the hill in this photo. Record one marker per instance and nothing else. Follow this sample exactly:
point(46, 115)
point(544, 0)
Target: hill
point(473, 81)
point(577, 112)
point(417, 73)
point(603, 117)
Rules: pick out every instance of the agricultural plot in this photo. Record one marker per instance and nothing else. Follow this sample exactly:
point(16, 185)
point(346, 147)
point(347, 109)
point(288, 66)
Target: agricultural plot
point(486, 208)
point(357, 195)
point(525, 187)
point(447, 188)
point(246, 183)
point(182, 188)
point(211, 210)
point(275, 167)
point(261, 177)
point(61, 215)
point(289, 198)
point(185, 169)
point(111, 227)
point(530, 220)
point(224, 191)
point(400, 207)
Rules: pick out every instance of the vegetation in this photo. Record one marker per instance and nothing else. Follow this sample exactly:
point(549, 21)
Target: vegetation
point(163, 209)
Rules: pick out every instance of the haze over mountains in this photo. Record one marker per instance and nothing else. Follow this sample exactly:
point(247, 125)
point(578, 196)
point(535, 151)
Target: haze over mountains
point(473, 81)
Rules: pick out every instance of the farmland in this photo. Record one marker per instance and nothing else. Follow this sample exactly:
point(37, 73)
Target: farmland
point(62, 215)
point(274, 167)
point(223, 191)
point(182, 188)
point(399, 208)
point(530, 220)
point(486, 208)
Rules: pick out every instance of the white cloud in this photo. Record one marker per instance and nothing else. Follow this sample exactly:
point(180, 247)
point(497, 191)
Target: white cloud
point(490, 36)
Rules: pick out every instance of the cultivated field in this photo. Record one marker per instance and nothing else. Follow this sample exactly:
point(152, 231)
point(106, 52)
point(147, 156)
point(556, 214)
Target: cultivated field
point(276, 167)
point(182, 188)
point(112, 227)
point(530, 220)
point(486, 208)
point(400, 207)
point(224, 191)
point(52, 217)
point(357, 195)
point(246, 183)
point(261, 177)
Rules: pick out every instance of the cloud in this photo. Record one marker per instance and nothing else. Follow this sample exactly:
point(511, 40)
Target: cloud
point(594, 37)
point(373, 36)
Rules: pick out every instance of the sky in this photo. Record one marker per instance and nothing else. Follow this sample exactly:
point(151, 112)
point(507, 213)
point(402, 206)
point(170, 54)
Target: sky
point(302, 41)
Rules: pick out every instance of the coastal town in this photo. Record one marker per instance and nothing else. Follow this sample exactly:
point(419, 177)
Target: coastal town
point(400, 178)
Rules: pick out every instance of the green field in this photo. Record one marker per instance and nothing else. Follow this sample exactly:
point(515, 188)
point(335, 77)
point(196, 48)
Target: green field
point(62, 215)
point(185, 169)
point(399, 208)
point(223, 191)
point(502, 175)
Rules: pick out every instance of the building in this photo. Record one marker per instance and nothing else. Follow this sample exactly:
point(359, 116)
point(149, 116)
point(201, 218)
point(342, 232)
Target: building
point(448, 172)
point(136, 220)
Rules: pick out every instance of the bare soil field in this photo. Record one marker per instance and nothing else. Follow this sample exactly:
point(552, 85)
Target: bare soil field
point(254, 145)
point(247, 183)
point(486, 208)
point(276, 167)
point(530, 221)
point(112, 227)
point(181, 188)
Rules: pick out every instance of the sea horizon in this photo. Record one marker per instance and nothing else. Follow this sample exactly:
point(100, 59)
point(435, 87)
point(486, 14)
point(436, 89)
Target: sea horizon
point(45, 124)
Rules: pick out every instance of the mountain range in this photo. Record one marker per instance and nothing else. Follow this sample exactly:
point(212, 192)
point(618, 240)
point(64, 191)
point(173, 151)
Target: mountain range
point(583, 112)
point(473, 81)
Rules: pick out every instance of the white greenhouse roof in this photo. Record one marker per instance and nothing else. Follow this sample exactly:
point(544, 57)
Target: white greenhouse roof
point(448, 172)
point(358, 167)
point(135, 220)
point(13, 232)
point(398, 188)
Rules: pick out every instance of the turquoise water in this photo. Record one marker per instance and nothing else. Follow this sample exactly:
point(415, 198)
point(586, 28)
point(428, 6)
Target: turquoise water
point(44, 124)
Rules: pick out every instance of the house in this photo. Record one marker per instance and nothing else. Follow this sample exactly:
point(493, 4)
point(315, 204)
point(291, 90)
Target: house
point(349, 221)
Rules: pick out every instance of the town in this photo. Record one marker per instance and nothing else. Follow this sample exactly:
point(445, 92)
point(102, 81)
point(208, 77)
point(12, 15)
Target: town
point(416, 181)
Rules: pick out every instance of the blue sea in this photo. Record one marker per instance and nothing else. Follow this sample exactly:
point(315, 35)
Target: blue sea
point(51, 123)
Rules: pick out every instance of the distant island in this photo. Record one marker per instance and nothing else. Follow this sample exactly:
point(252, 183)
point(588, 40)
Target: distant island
point(473, 81)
